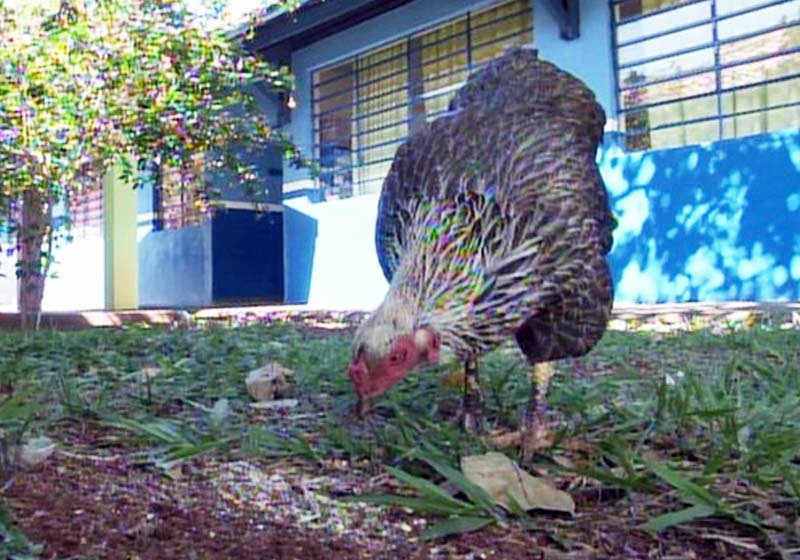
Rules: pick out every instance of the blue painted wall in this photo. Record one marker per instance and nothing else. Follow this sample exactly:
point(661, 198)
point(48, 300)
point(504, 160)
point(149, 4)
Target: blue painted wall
point(247, 257)
point(589, 57)
point(300, 238)
point(718, 221)
point(175, 267)
point(706, 222)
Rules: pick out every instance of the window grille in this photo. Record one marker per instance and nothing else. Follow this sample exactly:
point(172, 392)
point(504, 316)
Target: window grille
point(691, 71)
point(86, 212)
point(365, 107)
point(177, 198)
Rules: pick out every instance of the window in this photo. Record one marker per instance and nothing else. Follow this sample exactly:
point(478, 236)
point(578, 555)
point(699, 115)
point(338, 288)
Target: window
point(86, 212)
point(692, 71)
point(365, 107)
point(178, 201)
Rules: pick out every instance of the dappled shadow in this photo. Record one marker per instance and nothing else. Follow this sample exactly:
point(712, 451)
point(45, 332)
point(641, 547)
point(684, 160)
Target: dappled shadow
point(707, 222)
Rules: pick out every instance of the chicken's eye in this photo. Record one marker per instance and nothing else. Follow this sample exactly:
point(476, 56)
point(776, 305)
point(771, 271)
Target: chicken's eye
point(397, 357)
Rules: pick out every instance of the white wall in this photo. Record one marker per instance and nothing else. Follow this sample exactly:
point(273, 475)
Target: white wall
point(78, 283)
point(346, 273)
point(79, 275)
point(8, 282)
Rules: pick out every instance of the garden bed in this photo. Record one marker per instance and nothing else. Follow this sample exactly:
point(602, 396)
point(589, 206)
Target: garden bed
point(161, 455)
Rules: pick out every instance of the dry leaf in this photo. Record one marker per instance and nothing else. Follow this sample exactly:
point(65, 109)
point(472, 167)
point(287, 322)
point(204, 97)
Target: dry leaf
point(508, 439)
point(500, 478)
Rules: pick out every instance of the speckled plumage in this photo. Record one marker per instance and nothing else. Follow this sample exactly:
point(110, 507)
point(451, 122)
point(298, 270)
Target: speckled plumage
point(494, 222)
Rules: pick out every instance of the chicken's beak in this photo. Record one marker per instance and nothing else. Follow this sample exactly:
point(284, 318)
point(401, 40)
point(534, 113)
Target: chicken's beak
point(363, 406)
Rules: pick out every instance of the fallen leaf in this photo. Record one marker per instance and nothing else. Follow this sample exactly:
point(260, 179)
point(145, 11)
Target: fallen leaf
point(508, 439)
point(504, 480)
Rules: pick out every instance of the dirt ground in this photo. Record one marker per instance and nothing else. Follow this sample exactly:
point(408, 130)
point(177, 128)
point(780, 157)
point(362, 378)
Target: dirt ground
point(100, 501)
point(108, 509)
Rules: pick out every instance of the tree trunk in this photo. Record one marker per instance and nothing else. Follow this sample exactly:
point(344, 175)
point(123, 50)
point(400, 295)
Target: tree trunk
point(31, 269)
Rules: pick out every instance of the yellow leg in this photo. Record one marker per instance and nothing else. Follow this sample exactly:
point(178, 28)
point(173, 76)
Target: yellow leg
point(535, 431)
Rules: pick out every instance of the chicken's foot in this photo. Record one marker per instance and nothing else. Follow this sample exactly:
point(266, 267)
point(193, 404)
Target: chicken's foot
point(469, 414)
point(535, 430)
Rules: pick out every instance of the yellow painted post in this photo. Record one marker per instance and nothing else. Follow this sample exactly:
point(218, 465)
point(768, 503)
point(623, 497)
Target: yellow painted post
point(119, 235)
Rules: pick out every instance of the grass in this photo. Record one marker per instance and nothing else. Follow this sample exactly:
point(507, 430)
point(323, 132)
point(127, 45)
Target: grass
point(690, 428)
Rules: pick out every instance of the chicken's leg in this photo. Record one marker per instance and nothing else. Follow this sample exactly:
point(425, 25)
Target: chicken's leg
point(470, 413)
point(535, 432)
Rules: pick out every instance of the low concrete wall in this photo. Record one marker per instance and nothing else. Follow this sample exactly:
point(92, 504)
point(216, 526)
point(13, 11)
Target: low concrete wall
point(716, 222)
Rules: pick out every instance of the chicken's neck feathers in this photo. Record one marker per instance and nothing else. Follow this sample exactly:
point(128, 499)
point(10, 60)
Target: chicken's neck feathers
point(442, 271)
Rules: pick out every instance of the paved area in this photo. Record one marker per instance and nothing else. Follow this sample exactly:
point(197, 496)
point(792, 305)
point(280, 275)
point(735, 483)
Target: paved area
point(656, 317)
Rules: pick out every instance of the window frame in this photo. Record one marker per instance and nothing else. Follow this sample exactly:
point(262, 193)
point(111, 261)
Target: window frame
point(719, 93)
point(413, 92)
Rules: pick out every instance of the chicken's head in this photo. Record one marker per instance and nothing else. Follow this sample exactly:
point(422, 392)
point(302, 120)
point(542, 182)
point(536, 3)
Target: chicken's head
point(382, 357)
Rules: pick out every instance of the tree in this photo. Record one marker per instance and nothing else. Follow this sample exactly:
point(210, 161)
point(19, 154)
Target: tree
point(104, 83)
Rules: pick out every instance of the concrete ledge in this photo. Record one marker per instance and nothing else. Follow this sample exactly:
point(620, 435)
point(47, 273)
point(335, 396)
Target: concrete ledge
point(652, 317)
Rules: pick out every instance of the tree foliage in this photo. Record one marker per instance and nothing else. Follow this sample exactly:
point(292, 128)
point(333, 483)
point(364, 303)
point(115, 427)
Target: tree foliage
point(89, 84)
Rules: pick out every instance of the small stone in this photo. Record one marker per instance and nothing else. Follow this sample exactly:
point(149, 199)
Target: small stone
point(36, 451)
point(146, 374)
point(268, 382)
point(221, 411)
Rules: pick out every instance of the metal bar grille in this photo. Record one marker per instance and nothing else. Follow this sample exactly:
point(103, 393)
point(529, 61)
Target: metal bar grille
point(736, 66)
point(86, 211)
point(438, 41)
point(365, 107)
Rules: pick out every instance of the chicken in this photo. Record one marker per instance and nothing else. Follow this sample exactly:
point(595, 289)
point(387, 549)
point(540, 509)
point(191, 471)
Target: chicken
point(493, 223)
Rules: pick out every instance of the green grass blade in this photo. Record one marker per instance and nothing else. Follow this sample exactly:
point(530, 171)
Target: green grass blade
point(678, 517)
point(16, 408)
point(694, 493)
point(428, 489)
point(161, 430)
point(636, 484)
point(181, 452)
point(455, 526)
point(477, 495)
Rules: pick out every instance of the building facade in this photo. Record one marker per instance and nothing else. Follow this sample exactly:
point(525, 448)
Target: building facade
point(701, 155)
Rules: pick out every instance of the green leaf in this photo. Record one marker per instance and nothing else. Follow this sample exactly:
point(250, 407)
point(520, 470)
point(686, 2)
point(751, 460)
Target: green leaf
point(15, 408)
point(161, 430)
point(455, 526)
point(184, 451)
point(13, 542)
point(475, 493)
point(692, 492)
point(428, 489)
point(678, 517)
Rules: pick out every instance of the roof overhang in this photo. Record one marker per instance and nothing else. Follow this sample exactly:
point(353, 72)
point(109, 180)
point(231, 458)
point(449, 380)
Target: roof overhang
point(315, 20)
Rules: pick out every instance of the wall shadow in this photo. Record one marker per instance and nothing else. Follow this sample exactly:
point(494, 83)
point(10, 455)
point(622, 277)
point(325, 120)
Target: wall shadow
point(716, 221)
point(300, 239)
